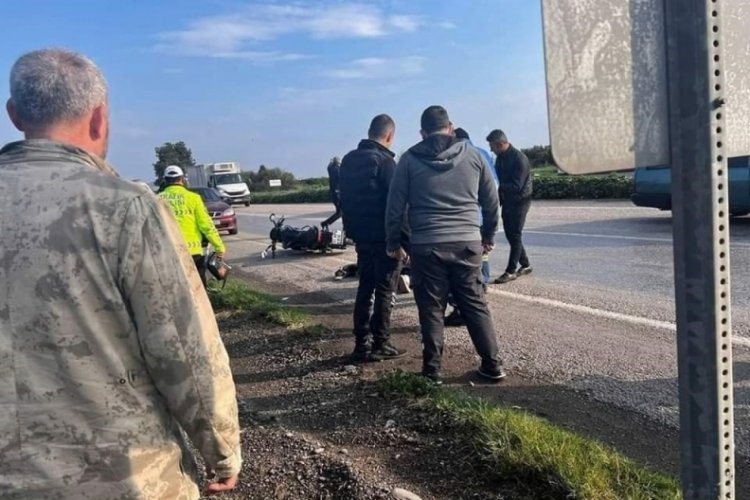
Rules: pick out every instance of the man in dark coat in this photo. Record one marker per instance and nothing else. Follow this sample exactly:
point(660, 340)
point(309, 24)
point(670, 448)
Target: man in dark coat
point(514, 173)
point(334, 173)
point(366, 174)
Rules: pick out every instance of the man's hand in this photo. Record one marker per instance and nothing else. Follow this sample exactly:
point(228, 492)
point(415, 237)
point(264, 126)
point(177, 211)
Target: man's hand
point(221, 485)
point(220, 255)
point(398, 254)
point(487, 247)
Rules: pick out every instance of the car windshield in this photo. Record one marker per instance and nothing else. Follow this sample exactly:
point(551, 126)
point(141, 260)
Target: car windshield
point(227, 179)
point(208, 194)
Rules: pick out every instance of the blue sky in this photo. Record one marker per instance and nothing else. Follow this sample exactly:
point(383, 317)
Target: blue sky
point(292, 83)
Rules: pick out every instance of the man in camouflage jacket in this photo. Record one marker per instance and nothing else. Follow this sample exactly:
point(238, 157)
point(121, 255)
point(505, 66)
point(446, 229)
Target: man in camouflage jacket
point(108, 345)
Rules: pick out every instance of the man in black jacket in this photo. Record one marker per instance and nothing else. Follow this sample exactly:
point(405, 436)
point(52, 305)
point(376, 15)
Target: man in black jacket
point(334, 174)
point(514, 174)
point(366, 174)
point(445, 182)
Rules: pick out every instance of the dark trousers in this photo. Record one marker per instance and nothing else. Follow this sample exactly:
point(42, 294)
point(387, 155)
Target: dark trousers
point(333, 218)
point(200, 265)
point(451, 268)
point(514, 218)
point(378, 278)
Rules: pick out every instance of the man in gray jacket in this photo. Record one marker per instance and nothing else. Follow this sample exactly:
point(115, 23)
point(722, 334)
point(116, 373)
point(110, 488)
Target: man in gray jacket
point(444, 182)
point(108, 344)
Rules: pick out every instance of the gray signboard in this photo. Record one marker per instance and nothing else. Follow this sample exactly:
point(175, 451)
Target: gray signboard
point(607, 87)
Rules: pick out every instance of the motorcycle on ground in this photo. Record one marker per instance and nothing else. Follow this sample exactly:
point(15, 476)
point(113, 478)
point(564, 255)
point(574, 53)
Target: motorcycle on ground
point(305, 238)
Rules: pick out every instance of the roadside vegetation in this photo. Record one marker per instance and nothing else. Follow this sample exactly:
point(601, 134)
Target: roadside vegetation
point(551, 461)
point(548, 185)
point(236, 297)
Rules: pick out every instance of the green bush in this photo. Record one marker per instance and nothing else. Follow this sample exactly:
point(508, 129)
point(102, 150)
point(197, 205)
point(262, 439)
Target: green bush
point(314, 181)
point(556, 187)
point(547, 186)
point(307, 195)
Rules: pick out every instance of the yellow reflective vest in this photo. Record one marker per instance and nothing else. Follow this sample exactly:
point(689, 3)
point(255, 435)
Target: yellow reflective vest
point(193, 219)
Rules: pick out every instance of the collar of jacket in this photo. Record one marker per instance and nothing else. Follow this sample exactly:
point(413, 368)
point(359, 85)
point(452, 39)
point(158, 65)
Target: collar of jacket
point(509, 150)
point(370, 144)
point(45, 148)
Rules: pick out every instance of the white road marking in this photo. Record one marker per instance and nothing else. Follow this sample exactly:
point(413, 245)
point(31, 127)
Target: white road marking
point(578, 308)
point(594, 235)
point(569, 234)
point(601, 313)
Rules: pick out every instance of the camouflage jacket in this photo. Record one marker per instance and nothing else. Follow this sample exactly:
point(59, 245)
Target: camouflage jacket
point(108, 344)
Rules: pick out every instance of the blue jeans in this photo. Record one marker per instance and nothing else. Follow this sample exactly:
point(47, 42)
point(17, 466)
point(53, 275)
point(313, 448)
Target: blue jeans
point(486, 271)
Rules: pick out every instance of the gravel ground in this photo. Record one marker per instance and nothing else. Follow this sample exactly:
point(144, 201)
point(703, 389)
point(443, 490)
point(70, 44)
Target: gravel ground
point(316, 427)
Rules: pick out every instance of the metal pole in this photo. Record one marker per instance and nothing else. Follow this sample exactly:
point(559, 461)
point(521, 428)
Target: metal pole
point(701, 246)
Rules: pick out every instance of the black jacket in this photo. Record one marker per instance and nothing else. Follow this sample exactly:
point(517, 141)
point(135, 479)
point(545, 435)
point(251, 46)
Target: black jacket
point(366, 174)
point(334, 181)
point(514, 171)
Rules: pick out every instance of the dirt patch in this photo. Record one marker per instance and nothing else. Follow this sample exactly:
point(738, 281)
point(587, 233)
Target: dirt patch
point(316, 427)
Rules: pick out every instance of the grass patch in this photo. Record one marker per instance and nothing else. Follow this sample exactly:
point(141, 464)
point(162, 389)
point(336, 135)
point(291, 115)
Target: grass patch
point(549, 460)
point(238, 297)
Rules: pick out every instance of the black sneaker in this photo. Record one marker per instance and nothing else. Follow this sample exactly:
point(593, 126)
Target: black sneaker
point(433, 376)
point(361, 354)
point(524, 270)
point(505, 278)
point(454, 319)
point(386, 351)
point(494, 374)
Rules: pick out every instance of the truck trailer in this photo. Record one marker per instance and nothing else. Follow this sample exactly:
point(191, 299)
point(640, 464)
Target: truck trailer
point(223, 176)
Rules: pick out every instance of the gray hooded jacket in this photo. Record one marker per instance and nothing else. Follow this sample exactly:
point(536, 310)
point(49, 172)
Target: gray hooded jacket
point(445, 183)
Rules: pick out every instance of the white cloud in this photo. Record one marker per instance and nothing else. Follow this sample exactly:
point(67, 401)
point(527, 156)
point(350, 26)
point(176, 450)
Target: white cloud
point(375, 67)
point(405, 23)
point(447, 25)
point(237, 35)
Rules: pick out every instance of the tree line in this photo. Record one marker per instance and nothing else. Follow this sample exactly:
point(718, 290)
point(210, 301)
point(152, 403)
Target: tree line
point(177, 153)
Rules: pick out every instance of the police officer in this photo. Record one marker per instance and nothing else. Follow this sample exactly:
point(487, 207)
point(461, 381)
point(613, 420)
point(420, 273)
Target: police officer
point(192, 217)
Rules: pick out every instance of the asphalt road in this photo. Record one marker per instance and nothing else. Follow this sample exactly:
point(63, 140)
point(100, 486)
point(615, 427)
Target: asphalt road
point(596, 315)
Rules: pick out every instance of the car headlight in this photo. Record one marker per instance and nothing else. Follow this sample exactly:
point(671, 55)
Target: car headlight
point(228, 212)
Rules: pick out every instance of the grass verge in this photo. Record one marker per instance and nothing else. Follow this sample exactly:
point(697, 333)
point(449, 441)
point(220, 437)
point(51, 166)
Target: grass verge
point(552, 462)
point(238, 297)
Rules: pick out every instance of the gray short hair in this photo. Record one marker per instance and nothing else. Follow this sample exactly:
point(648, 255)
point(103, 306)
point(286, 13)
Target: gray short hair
point(497, 135)
point(53, 86)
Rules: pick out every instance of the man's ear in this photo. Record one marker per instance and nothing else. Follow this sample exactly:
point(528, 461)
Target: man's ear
point(13, 115)
point(98, 123)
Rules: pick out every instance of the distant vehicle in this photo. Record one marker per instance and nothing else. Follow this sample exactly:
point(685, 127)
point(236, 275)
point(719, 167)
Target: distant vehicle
point(653, 186)
point(223, 176)
point(221, 213)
